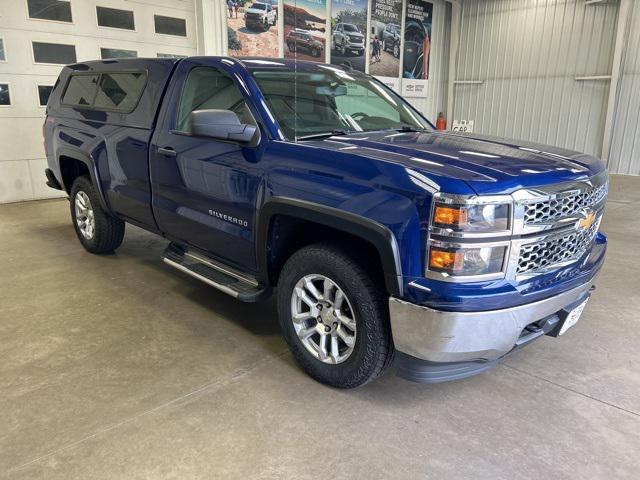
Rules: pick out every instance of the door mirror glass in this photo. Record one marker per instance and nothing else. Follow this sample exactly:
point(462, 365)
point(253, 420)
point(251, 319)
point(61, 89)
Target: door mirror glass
point(220, 124)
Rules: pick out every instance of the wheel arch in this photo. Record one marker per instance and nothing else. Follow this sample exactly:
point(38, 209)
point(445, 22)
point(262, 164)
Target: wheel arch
point(369, 232)
point(74, 163)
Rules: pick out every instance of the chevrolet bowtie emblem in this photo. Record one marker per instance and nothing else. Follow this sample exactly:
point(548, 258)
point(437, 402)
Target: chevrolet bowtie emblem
point(587, 221)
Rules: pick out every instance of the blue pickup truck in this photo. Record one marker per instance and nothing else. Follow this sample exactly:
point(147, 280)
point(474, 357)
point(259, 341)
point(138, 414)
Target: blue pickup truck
point(387, 242)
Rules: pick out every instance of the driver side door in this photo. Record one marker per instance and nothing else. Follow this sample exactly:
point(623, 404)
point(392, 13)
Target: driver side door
point(205, 189)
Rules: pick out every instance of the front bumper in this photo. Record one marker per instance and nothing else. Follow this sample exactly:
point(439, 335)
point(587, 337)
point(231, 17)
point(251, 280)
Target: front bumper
point(436, 345)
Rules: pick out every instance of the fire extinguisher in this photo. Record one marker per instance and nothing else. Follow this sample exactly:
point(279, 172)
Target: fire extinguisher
point(441, 122)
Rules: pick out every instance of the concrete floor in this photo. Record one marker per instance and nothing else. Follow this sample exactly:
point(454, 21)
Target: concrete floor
point(119, 367)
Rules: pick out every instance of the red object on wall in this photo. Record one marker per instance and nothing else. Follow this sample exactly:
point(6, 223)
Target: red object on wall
point(441, 122)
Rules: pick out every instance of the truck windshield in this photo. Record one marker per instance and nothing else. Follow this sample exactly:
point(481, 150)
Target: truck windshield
point(350, 28)
point(328, 99)
point(259, 6)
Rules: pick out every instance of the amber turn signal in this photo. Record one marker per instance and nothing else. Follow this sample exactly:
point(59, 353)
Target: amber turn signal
point(454, 216)
point(444, 260)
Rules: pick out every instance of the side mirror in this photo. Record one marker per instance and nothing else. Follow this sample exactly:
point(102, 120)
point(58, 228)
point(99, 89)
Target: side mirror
point(221, 124)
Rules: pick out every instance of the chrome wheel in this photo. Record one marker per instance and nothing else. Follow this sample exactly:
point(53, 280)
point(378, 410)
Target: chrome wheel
point(84, 215)
point(323, 319)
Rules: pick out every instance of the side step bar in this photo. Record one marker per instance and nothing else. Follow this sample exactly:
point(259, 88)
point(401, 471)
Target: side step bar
point(212, 273)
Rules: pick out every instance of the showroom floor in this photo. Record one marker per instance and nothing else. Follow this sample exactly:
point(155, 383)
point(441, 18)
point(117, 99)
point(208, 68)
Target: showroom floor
point(119, 367)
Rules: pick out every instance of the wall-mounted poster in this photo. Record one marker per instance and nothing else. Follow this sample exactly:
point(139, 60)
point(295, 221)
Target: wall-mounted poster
point(349, 32)
point(417, 47)
point(252, 28)
point(385, 39)
point(305, 24)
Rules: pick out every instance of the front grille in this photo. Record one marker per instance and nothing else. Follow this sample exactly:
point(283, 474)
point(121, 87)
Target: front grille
point(546, 253)
point(355, 39)
point(564, 205)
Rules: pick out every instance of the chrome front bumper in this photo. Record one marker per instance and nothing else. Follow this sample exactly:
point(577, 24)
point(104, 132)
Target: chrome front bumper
point(447, 337)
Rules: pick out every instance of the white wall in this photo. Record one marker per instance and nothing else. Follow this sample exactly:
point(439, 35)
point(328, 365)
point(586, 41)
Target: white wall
point(22, 160)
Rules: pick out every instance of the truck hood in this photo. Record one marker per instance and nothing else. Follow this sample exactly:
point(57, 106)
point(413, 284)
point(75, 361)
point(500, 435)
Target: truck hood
point(489, 165)
point(256, 10)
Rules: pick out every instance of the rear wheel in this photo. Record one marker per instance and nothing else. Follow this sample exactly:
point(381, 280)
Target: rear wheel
point(334, 317)
point(396, 50)
point(97, 229)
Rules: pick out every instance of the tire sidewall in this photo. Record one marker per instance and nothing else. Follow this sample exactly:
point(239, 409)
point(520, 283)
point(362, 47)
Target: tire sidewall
point(356, 369)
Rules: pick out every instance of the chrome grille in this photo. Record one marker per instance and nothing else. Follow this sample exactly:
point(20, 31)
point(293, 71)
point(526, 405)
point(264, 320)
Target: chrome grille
point(563, 205)
point(556, 250)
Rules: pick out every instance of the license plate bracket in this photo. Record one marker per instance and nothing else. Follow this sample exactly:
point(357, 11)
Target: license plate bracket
point(569, 317)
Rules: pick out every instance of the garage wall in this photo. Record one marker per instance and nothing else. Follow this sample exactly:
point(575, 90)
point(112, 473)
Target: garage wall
point(436, 99)
point(624, 155)
point(22, 160)
point(528, 58)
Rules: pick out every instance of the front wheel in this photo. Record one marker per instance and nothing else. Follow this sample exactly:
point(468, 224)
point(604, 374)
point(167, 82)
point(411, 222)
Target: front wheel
point(334, 317)
point(97, 229)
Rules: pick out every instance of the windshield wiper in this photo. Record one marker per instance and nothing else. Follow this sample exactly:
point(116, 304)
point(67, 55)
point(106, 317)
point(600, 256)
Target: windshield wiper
point(323, 135)
point(409, 128)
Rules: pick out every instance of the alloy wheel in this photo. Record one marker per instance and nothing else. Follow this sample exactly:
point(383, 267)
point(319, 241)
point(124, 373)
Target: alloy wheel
point(323, 319)
point(84, 215)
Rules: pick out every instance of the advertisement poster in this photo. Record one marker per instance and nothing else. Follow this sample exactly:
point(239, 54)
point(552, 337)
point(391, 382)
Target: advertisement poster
point(349, 32)
point(304, 29)
point(385, 39)
point(417, 46)
point(252, 28)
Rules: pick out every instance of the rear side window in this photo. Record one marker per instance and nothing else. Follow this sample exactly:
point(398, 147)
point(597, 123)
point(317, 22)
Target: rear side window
point(81, 90)
point(120, 91)
point(117, 92)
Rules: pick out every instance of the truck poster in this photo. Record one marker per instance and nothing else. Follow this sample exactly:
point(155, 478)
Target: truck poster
point(349, 33)
point(417, 47)
point(252, 28)
point(385, 39)
point(305, 23)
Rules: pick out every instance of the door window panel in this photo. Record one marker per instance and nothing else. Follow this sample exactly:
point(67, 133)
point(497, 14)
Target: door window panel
point(5, 97)
point(54, 53)
point(107, 53)
point(44, 92)
point(209, 88)
point(115, 18)
point(57, 10)
point(170, 25)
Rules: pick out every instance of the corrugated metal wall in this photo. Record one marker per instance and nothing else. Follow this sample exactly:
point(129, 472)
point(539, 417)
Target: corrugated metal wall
point(624, 155)
point(527, 54)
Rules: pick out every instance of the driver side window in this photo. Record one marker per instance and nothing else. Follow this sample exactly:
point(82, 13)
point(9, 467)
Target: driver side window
point(210, 88)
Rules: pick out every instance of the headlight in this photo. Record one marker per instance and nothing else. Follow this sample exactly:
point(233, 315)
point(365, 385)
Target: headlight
point(466, 261)
point(474, 218)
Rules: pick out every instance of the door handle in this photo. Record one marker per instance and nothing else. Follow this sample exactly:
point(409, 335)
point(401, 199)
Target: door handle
point(167, 151)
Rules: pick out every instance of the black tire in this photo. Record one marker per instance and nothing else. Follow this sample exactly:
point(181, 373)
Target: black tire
point(373, 350)
point(108, 231)
point(315, 52)
point(292, 47)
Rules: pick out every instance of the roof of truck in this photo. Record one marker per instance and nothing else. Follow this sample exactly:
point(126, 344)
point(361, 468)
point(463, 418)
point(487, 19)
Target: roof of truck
point(247, 62)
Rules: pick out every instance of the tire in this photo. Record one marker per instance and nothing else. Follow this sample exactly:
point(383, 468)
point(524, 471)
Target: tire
point(292, 47)
point(315, 52)
point(364, 301)
point(107, 231)
point(396, 50)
